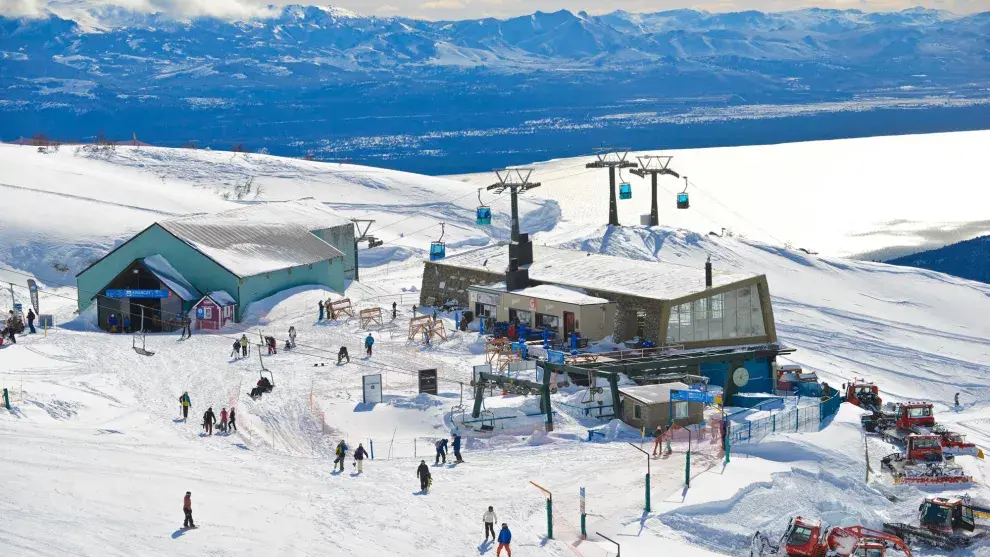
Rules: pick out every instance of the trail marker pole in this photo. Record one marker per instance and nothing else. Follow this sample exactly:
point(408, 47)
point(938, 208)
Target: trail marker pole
point(647, 506)
point(6, 399)
point(584, 531)
point(549, 509)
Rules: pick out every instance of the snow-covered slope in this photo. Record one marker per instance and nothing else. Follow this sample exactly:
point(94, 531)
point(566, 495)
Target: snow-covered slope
point(88, 408)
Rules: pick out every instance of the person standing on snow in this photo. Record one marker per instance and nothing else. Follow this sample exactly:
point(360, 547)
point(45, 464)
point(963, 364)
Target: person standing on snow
point(31, 316)
point(184, 404)
point(292, 336)
point(441, 451)
point(359, 455)
point(369, 341)
point(112, 322)
point(223, 420)
point(504, 539)
point(489, 518)
point(209, 419)
point(187, 510)
point(395, 310)
point(236, 352)
point(232, 424)
point(321, 311)
point(658, 440)
point(341, 453)
point(957, 399)
point(423, 472)
point(457, 448)
point(244, 346)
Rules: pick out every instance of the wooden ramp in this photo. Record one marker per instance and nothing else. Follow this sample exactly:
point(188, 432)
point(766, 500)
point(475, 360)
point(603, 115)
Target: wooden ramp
point(370, 316)
point(339, 308)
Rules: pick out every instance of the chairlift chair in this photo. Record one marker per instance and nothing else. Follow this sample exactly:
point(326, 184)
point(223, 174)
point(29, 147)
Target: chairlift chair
point(437, 249)
point(683, 201)
point(271, 379)
point(484, 213)
point(143, 349)
point(487, 421)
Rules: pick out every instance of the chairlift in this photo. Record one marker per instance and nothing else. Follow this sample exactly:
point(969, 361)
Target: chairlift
point(143, 349)
point(625, 188)
point(487, 421)
point(683, 201)
point(437, 249)
point(484, 213)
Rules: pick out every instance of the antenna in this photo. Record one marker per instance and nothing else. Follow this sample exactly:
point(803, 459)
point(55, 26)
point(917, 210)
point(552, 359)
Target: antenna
point(655, 165)
point(612, 159)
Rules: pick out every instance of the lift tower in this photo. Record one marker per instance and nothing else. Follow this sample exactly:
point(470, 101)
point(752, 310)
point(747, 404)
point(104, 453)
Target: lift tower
point(654, 165)
point(612, 159)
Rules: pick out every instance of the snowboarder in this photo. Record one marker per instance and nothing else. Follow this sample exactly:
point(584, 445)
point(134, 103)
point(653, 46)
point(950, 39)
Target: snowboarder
point(359, 455)
point(209, 419)
point(341, 453)
point(341, 354)
point(112, 322)
point(369, 341)
point(236, 352)
point(184, 404)
point(504, 538)
point(457, 448)
point(232, 424)
point(658, 440)
point(187, 510)
point(31, 316)
point(424, 476)
point(441, 451)
point(321, 311)
point(223, 420)
point(244, 346)
point(489, 518)
point(395, 310)
point(957, 399)
point(292, 336)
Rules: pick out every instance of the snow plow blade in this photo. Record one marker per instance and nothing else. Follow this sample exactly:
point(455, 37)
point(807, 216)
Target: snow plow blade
point(762, 546)
point(931, 480)
point(910, 533)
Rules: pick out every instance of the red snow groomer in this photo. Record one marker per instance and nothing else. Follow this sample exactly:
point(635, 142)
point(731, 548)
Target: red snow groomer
point(916, 418)
point(864, 394)
point(923, 462)
point(805, 538)
point(944, 522)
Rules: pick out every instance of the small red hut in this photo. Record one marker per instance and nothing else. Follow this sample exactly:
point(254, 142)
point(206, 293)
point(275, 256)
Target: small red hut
point(214, 311)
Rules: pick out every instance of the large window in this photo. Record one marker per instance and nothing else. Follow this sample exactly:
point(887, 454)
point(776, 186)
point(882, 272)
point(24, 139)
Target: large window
point(681, 410)
point(733, 314)
point(521, 316)
point(544, 321)
point(637, 412)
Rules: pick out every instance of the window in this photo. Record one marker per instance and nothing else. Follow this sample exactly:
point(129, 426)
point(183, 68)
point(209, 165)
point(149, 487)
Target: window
point(637, 412)
point(521, 316)
point(680, 410)
point(548, 321)
point(729, 315)
point(207, 312)
point(640, 323)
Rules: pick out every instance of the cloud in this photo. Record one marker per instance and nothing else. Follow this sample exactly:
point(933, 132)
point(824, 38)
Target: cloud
point(387, 9)
point(22, 8)
point(444, 4)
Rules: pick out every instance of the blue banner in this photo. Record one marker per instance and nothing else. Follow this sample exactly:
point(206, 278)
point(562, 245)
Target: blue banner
point(555, 357)
point(137, 293)
point(692, 396)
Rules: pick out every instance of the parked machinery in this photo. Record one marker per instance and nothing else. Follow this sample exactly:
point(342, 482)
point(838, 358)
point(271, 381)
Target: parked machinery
point(806, 538)
point(943, 522)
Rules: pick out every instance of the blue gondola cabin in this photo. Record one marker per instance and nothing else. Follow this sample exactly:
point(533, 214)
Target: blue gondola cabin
point(437, 251)
point(625, 191)
point(683, 202)
point(214, 311)
point(484, 215)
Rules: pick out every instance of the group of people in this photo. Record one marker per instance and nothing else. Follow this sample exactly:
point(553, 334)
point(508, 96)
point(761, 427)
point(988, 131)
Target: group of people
point(504, 537)
point(340, 454)
point(119, 324)
point(441, 446)
point(240, 347)
point(12, 326)
point(228, 420)
point(264, 385)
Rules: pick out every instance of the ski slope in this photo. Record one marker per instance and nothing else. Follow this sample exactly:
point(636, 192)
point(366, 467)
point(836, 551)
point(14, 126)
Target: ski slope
point(93, 445)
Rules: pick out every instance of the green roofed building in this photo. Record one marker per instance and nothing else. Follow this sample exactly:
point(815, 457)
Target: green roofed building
point(250, 252)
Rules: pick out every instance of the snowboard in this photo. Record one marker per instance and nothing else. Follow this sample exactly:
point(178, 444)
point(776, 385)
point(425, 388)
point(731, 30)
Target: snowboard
point(184, 529)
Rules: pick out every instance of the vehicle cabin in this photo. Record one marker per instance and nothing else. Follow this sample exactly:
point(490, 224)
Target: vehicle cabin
point(649, 406)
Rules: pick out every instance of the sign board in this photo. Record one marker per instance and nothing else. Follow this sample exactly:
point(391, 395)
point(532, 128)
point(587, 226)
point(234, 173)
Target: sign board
point(532, 304)
point(582, 500)
point(555, 357)
point(428, 381)
point(200, 314)
point(372, 388)
point(484, 298)
point(522, 366)
point(691, 396)
point(478, 370)
point(33, 288)
point(152, 294)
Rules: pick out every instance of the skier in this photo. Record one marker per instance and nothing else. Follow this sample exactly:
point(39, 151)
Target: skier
point(236, 352)
point(223, 420)
point(30, 318)
point(292, 336)
point(112, 322)
point(185, 403)
point(186, 329)
point(369, 341)
point(341, 354)
point(504, 538)
point(395, 311)
point(441, 451)
point(341, 452)
point(489, 518)
point(414, 310)
point(232, 424)
point(187, 510)
point(957, 399)
point(209, 419)
point(658, 440)
point(359, 455)
point(244, 346)
point(321, 311)
point(424, 476)
point(457, 448)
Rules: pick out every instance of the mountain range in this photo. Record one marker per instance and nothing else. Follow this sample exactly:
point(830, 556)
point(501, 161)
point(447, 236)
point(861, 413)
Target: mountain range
point(969, 259)
point(343, 84)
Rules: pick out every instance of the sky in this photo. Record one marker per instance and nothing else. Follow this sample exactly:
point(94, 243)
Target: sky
point(469, 9)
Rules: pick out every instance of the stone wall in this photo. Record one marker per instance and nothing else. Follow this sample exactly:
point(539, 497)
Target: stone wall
point(455, 283)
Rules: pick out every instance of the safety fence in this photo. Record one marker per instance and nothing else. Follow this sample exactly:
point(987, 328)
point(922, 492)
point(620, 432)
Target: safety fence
point(802, 418)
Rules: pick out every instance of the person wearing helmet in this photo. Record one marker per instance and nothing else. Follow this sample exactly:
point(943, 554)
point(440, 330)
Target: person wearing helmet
point(504, 538)
point(187, 510)
point(424, 476)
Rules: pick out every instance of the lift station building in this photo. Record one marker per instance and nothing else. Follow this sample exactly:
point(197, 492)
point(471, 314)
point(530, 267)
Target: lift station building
point(240, 256)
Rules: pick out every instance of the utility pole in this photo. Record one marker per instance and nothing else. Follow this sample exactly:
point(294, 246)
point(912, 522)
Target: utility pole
point(654, 165)
point(362, 236)
point(612, 159)
point(516, 180)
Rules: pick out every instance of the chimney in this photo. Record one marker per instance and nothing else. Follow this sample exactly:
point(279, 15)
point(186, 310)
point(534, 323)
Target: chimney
point(708, 272)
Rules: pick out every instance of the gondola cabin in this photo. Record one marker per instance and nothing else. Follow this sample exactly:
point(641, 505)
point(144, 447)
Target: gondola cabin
point(625, 191)
point(683, 202)
point(437, 251)
point(484, 215)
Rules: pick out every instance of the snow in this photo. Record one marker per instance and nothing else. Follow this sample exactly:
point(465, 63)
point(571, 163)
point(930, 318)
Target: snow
point(653, 394)
point(579, 269)
point(172, 278)
point(222, 298)
point(95, 430)
point(553, 293)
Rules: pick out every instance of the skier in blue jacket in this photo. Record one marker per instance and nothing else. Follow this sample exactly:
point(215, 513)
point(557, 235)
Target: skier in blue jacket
point(504, 538)
point(369, 341)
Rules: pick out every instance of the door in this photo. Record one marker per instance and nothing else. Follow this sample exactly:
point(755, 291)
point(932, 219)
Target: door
point(568, 323)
